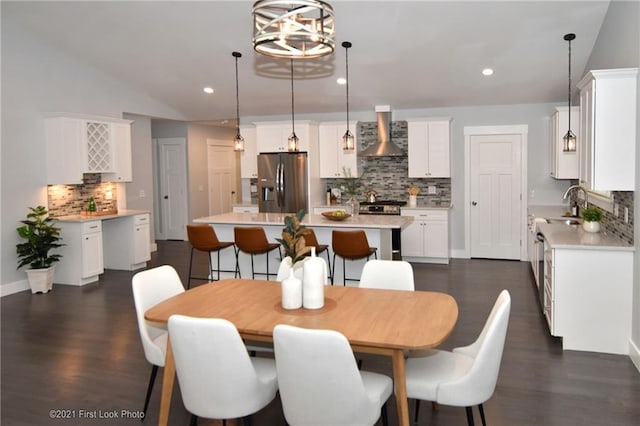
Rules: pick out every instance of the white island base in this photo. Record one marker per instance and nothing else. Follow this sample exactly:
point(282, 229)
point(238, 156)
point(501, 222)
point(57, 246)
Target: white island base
point(378, 229)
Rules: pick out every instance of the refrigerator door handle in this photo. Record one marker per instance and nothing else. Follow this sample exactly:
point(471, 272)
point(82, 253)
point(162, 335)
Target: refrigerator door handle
point(279, 184)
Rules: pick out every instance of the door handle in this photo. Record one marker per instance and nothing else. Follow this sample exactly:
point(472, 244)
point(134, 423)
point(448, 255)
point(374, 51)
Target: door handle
point(166, 197)
point(473, 203)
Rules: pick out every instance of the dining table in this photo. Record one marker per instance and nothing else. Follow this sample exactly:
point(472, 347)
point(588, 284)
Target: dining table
point(375, 321)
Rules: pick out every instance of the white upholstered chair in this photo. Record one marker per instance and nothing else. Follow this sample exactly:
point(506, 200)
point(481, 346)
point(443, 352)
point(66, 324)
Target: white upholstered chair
point(151, 287)
point(320, 383)
point(387, 274)
point(468, 375)
point(218, 379)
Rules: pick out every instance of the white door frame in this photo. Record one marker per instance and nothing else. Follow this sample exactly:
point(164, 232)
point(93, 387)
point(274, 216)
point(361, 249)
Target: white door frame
point(160, 231)
point(469, 131)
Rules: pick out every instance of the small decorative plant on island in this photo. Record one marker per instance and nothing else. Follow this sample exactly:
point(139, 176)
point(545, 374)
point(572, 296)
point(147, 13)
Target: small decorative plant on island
point(292, 240)
point(591, 216)
point(41, 237)
point(352, 183)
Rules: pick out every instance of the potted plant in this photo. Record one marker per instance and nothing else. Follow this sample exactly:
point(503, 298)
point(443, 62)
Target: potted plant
point(292, 240)
point(41, 237)
point(352, 186)
point(591, 216)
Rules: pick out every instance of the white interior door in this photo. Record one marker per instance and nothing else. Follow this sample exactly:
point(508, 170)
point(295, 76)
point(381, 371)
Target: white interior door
point(222, 178)
point(172, 173)
point(495, 193)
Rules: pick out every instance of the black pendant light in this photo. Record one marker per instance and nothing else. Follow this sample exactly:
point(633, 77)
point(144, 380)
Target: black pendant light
point(292, 142)
point(348, 141)
point(238, 142)
point(569, 140)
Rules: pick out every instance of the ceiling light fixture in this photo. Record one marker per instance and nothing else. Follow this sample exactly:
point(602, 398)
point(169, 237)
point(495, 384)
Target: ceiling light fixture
point(348, 141)
point(487, 71)
point(569, 140)
point(292, 142)
point(238, 142)
point(208, 90)
point(295, 29)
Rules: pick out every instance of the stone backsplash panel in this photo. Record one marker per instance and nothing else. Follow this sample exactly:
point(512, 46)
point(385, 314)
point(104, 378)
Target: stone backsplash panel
point(388, 175)
point(610, 223)
point(66, 200)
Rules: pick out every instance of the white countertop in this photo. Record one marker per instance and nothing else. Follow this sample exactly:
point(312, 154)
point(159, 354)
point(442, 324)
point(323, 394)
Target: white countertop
point(429, 205)
point(549, 212)
point(312, 220)
point(574, 237)
point(81, 218)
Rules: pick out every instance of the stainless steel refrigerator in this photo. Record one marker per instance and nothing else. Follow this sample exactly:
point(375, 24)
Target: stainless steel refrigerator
point(282, 182)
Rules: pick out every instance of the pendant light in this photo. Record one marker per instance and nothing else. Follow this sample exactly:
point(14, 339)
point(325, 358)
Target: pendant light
point(292, 142)
point(238, 142)
point(569, 140)
point(348, 141)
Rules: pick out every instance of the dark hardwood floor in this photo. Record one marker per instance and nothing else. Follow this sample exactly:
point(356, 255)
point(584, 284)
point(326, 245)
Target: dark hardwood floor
point(77, 348)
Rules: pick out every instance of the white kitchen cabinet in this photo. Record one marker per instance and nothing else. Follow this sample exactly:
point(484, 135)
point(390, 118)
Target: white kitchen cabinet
point(332, 157)
point(429, 147)
point(249, 157)
point(127, 242)
point(84, 144)
point(564, 165)
point(273, 136)
point(426, 239)
point(82, 260)
point(245, 209)
point(588, 295)
point(608, 129)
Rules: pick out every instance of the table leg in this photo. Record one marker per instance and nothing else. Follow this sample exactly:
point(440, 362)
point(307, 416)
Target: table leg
point(167, 386)
point(400, 382)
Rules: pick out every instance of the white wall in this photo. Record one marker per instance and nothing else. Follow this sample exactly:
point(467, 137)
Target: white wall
point(37, 79)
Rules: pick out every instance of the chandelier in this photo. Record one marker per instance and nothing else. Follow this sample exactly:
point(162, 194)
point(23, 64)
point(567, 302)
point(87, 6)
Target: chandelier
point(293, 29)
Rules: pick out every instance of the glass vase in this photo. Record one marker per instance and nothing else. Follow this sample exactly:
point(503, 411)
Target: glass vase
point(353, 206)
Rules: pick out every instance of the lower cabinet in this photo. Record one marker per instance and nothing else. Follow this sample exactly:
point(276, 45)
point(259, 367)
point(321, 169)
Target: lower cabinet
point(82, 260)
point(127, 242)
point(426, 239)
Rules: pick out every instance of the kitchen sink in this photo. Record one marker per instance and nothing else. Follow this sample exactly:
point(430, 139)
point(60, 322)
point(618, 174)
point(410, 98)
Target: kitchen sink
point(565, 221)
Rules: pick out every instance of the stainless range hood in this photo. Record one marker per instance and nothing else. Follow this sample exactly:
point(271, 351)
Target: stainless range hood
point(383, 146)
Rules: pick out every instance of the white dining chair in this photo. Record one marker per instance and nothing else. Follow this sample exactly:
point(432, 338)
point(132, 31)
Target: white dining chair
point(218, 379)
point(468, 375)
point(151, 287)
point(387, 274)
point(320, 383)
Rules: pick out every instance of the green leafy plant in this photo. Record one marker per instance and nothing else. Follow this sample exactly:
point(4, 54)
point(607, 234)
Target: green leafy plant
point(292, 240)
point(41, 236)
point(592, 214)
point(352, 183)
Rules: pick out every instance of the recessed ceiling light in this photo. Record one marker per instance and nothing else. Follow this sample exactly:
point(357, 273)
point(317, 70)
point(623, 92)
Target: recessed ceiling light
point(208, 90)
point(341, 80)
point(487, 71)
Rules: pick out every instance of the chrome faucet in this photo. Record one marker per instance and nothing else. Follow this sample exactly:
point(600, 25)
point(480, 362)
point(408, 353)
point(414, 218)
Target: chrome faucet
point(578, 188)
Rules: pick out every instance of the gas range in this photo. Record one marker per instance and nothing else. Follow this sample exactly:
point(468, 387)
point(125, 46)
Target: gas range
point(384, 207)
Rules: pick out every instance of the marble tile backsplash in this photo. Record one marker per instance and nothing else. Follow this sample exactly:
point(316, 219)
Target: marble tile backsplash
point(66, 200)
point(612, 224)
point(388, 175)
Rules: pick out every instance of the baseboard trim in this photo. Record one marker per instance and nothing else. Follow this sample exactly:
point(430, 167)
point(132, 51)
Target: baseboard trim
point(14, 287)
point(460, 254)
point(634, 354)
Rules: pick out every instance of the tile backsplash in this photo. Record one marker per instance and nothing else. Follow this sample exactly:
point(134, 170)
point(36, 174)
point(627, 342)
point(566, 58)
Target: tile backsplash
point(72, 199)
point(612, 224)
point(388, 175)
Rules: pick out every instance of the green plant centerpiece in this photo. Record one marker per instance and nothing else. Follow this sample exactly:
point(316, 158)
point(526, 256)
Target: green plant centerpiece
point(292, 240)
point(352, 183)
point(41, 237)
point(592, 214)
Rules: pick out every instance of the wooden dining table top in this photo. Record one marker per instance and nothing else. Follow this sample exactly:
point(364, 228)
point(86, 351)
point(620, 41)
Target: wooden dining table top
point(373, 319)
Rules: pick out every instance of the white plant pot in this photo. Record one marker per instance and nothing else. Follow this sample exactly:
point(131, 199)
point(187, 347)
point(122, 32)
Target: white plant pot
point(591, 226)
point(41, 280)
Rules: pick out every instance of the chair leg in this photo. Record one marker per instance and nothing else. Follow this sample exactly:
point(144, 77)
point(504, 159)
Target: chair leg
point(194, 420)
point(385, 418)
point(417, 410)
point(344, 272)
point(152, 379)
point(484, 423)
point(218, 267)
point(330, 272)
point(246, 420)
point(333, 271)
point(190, 266)
point(237, 272)
point(253, 273)
point(469, 416)
point(267, 266)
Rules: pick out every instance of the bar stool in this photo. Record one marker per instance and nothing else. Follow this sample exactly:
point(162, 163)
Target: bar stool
point(253, 240)
point(352, 245)
point(204, 238)
point(310, 240)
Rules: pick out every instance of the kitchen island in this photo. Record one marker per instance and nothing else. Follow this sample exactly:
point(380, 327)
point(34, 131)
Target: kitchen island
point(382, 232)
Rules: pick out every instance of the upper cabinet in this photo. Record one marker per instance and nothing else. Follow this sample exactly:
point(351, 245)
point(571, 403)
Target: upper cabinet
point(429, 148)
point(79, 144)
point(332, 157)
point(249, 157)
point(273, 136)
point(608, 129)
point(564, 165)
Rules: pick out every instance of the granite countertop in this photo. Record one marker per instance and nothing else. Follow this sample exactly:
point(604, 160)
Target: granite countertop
point(574, 237)
point(312, 220)
point(82, 218)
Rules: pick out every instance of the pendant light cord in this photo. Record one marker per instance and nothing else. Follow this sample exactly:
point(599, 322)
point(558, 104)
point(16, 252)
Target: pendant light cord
point(237, 55)
point(293, 123)
point(346, 52)
point(569, 88)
